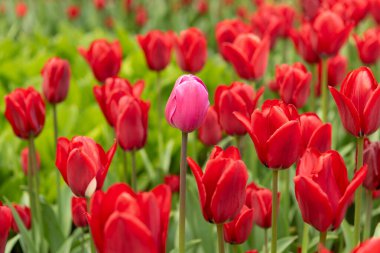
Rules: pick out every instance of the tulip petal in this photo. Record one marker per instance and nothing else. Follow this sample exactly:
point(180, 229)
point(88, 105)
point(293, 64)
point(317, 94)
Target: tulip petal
point(321, 138)
point(371, 113)
point(259, 59)
point(138, 88)
point(62, 153)
point(164, 196)
point(198, 174)
point(244, 226)
point(239, 62)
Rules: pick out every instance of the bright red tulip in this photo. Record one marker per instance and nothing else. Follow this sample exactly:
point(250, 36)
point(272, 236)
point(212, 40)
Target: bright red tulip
point(238, 97)
point(238, 230)
point(157, 46)
point(109, 95)
point(336, 72)
point(99, 4)
point(252, 251)
point(222, 187)
point(249, 55)
point(310, 8)
point(210, 132)
point(5, 225)
point(322, 188)
point(274, 129)
point(371, 157)
point(141, 16)
point(83, 164)
point(25, 111)
point(374, 9)
point(104, 58)
point(352, 11)
point(25, 216)
point(21, 9)
point(370, 246)
point(369, 46)
point(73, 12)
point(79, 211)
point(173, 182)
point(358, 102)
point(123, 221)
point(302, 42)
point(24, 160)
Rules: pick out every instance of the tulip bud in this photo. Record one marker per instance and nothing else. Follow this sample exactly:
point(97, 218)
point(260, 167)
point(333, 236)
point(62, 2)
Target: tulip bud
point(371, 245)
point(238, 230)
point(99, 4)
point(369, 46)
point(173, 182)
point(72, 12)
point(351, 11)
point(374, 6)
point(25, 160)
point(5, 225)
point(210, 132)
point(302, 42)
point(25, 216)
point(371, 157)
point(78, 211)
point(188, 104)
point(21, 9)
point(141, 16)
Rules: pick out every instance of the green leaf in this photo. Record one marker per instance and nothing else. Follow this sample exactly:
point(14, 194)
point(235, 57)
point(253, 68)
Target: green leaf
point(377, 231)
point(52, 227)
point(283, 243)
point(11, 243)
point(348, 234)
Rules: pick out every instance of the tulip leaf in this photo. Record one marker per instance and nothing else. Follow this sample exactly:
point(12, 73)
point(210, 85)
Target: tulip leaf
point(147, 163)
point(11, 243)
point(167, 156)
point(348, 234)
point(65, 204)
point(377, 231)
point(314, 242)
point(53, 232)
point(283, 243)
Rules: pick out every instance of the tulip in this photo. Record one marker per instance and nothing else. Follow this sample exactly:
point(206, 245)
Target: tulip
point(249, 55)
point(108, 22)
point(25, 111)
point(56, 80)
point(2, 8)
point(173, 182)
point(157, 48)
point(141, 16)
point(99, 4)
point(124, 221)
point(104, 58)
point(24, 214)
point(73, 12)
point(21, 9)
point(315, 134)
point(210, 132)
point(302, 42)
point(369, 47)
point(191, 50)
point(5, 225)
point(352, 11)
point(78, 211)
point(252, 251)
point(371, 245)
point(238, 230)
point(25, 160)
point(202, 7)
point(83, 164)
point(238, 97)
point(310, 8)
point(336, 72)
point(374, 9)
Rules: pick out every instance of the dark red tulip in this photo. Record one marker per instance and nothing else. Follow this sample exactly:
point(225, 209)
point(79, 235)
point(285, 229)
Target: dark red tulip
point(352, 11)
point(73, 12)
point(238, 97)
point(371, 157)
point(336, 72)
point(374, 9)
point(315, 133)
point(21, 9)
point(238, 230)
point(358, 102)
point(274, 129)
point(173, 182)
point(132, 123)
point(310, 8)
point(25, 216)
point(329, 33)
point(302, 42)
point(79, 211)
point(202, 7)
point(222, 187)
point(124, 221)
point(210, 132)
point(109, 95)
point(56, 80)
point(25, 111)
point(369, 46)
point(104, 58)
point(322, 188)
point(24, 160)
point(191, 50)
point(157, 46)
point(99, 4)
point(5, 225)
point(249, 55)
point(83, 164)
point(242, 12)
point(370, 246)
point(141, 16)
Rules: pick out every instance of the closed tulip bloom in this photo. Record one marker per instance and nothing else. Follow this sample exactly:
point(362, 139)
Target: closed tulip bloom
point(109, 95)
point(310, 8)
point(83, 164)
point(210, 132)
point(191, 50)
point(157, 46)
point(329, 33)
point(56, 80)
point(369, 46)
point(238, 97)
point(368, 246)
point(352, 11)
point(374, 9)
point(141, 16)
point(73, 12)
point(173, 182)
point(358, 102)
point(188, 104)
point(222, 186)
point(25, 111)
point(371, 157)
point(124, 221)
point(5, 225)
point(322, 188)
point(21, 9)
point(249, 55)
point(25, 158)
point(336, 72)
point(238, 230)
point(79, 211)
point(25, 216)
point(302, 43)
point(104, 58)
point(132, 123)
point(274, 129)
point(99, 4)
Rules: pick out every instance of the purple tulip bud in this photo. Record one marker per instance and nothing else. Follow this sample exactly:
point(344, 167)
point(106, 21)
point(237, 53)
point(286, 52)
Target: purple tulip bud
point(188, 103)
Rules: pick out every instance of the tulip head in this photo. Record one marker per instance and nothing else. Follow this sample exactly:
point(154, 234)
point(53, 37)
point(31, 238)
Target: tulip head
point(72, 12)
point(210, 132)
point(370, 245)
point(5, 225)
point(173, 182)
point(302, 42)
point(79, 211)
point(25, 216)
point(371, 157)
point(238, 230)
point(369, 46)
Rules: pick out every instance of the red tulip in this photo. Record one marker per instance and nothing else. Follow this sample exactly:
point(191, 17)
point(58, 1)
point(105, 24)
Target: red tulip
point(173, 182)
point(99, 4)
point(252, 251)
point(56, 80)
point(315, 133)
point(73, 12)
point(132, 123)
point(310, 8)
point(371, 157)
point(210, 132)
point(249, 55)
point(302, 42)
point(191, 50)
point(157, 48)
point(238, 230)
point(25, 111)
point(83, 164)
point(322, 188)
point(369, 47)
point(352, 11)
point(222, 186)
point(336, 72)
point(358, 102)
point(374, 9)
point(141, 16)
point(370, 246)
point(202, 7)
point(123, 221)
point(109, 95)
point(2, 11)
point(274, 129)
point(5, 225)
point(242, 12)
point(25, 158)
point(238, 97)
point(108, 22)
point(25, 216)
point(21, 9)
point(104, 58)
point(79, 211)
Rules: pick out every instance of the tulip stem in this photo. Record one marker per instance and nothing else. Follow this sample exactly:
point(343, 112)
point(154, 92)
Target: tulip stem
point(367, 225)
point(274, 211)
point(158, 83)
point(234, 248)
point(91, 241)
point(324, 85)
point(305, 237)
point(31, 189)
point(286, 198)
point(314, 68)
point(266, 240)
point(134, 172)
point(322, 238)
point(58, 176)
point(182, 194)
point(358, 193)
point(125, 163)
point(219, 229)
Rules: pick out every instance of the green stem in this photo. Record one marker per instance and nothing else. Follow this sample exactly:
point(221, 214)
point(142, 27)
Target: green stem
point(158, 83)
point(314, 68)
point(266, 240)
point(82, 246)
point(182, 194)
point(219, 228)
point(322, 238)
point(368, 215)
point(324, 86)
point(286, 199)
point(274, 211)
point(240, 143)
point(92, 245)
point(32, 193)
point(58, 176)
point(134, 171)
point(125, 163)
point(358, 193)
point(305, 237)
point(234, 248)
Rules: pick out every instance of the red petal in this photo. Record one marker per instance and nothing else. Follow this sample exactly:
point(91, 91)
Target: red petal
point(62, 154)
point(198, 174)
point(371, 113)
point(321, 138)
